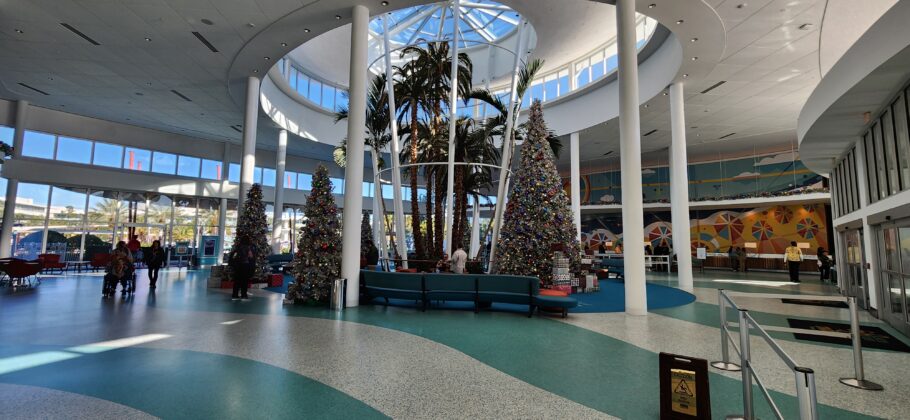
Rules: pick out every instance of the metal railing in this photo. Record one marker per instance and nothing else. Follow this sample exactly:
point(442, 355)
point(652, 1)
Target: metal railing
point(804, 377)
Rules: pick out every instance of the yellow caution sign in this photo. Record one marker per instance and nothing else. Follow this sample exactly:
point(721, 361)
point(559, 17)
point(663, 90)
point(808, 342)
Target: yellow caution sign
point(682, 391)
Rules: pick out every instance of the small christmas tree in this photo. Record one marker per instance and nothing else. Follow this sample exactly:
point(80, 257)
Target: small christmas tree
point(318, 258)
point(366, 234)
point(252, 223)
point(538, 217)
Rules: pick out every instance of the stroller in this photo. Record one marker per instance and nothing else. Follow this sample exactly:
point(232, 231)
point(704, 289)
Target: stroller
point(127, 280)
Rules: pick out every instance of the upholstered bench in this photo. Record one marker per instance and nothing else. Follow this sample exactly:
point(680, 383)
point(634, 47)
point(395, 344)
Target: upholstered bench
point(555, 301)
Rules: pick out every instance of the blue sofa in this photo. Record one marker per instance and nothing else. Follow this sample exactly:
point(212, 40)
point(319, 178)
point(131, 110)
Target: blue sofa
point(478, 288)
point(616, 266)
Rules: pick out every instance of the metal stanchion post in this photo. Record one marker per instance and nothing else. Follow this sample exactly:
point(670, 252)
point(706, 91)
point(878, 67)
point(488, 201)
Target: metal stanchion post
point(745, 364)
point(859, 381)
point(724, 363)
point(805, 393)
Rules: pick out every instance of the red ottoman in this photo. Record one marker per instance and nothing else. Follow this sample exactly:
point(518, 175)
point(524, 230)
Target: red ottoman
point(552, 292)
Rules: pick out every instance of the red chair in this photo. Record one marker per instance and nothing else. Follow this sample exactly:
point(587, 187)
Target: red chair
point(20, 272)
point(100, 261)
point(51, 262)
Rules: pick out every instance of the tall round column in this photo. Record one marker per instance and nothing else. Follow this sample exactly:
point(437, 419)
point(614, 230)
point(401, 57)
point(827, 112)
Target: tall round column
point(630, 160)
point(12, 185)
point(453, 119)
point(575, 178)
point(353, 171)
point(280, 161)
point(679, 187)
point(250, 118)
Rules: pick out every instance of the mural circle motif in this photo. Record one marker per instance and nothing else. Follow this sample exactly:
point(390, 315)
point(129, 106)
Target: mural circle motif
point(783, 215)
point(762, 231)
point(728, 226)
point(807, 228)
point(658, 234)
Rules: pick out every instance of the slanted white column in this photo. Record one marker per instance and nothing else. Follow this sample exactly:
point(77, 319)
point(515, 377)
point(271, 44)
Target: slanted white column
point(12, 185)
point(679, 187)
point(575, 178)
point(506, 156)
point(378, 208)
point(250, 118)
point(222, 208)
point(280, 161)
point(630, 160)
point(453, 118)
point(475, 229)
point(397, 203)
point(353, 171)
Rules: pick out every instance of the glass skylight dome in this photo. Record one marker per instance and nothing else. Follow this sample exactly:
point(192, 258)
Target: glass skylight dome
point(481, 21)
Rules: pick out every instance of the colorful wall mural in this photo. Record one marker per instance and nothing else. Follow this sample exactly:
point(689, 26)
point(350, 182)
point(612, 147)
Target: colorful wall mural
point(757, 176)
point(770, 228)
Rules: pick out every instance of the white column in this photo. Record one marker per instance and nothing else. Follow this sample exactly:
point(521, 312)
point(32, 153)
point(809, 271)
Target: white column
point(453, 118)
point(502, 187)
point(353, 172)
point(280, 161)
point(475, 229)
point(575, 179)
point(630, 160)
point(397, 203)
point(378, 208)
point(12, 185)
point(679, 187)
point(250, 118)
point(222, 229)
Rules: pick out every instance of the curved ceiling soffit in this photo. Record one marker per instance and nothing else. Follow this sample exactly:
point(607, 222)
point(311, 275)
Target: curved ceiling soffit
point(862, 80)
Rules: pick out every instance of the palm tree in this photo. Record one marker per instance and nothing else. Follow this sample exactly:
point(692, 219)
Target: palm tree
point(472, 145)
point(410, 91)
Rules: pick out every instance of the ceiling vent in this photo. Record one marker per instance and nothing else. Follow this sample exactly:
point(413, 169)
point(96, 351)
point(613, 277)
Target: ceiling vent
point(714, 86)
point(237, 128)
point(78, 32)
point(181, 95)
point(33, 88)
point(205, 41)
point(650, 132)
point(608, 153)
point(728, 135)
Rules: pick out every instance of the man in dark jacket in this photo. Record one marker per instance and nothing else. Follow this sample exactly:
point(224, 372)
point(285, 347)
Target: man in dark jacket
point(242, 260)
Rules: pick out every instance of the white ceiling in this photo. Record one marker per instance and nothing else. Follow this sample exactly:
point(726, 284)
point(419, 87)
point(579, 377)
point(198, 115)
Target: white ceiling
point(770, 67)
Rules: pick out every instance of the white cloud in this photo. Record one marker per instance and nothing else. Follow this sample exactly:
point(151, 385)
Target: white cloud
point(607, 198)
point(781, 158)
point(648, 171)
point(747, 174)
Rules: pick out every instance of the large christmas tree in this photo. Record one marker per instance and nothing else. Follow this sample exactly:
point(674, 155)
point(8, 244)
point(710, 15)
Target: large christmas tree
point(538, 217)
point(252, 222)
point(366, 233)
point(318, 258)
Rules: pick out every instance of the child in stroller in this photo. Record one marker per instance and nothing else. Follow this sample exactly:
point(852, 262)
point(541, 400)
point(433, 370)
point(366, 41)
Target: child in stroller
point(120, 270)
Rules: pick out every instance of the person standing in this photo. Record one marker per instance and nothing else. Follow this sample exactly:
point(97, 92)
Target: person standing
point(372, 255)
point(741, 255)
point(824, 265)
point(242, 260)
point(154, 260)
point(459, 259)
point(793, 256)
point(734, 259)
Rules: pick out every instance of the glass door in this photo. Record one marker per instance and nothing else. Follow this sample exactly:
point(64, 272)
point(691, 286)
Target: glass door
point(854, 280)
point(895, 274)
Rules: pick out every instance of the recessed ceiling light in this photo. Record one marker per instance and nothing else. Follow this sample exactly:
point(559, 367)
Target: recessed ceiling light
point(665, 93)
point(385, 3)
point(652, 5)
point(306, 30)
point(646, 105)
point(337, 17)
point(266, 58)
point(741, 5)
point(207, 22)
point(679, 22)
point(19, 31)
point(251, 25)
point(255, 70)
point(694, 58)
point(147, 39)
point(805, 26)
point(284, 44)
point(693, 40)
point(685, 75)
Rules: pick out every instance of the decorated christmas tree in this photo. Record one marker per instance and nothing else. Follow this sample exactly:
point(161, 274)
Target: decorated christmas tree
point(366, 233)
point(538, 217)
point(252, 222)
point(318, 258)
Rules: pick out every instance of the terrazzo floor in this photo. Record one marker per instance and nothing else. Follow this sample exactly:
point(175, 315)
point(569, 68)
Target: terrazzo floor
point(186, 351)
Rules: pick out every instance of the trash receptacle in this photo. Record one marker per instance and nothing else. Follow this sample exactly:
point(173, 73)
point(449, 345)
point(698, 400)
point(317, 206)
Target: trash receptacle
point(339, 288)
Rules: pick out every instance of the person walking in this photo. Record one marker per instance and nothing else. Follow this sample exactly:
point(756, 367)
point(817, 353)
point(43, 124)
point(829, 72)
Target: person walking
point(242, 260)
point(459, 259)
point(793, 256)
point(824, 265)
point(154, 260)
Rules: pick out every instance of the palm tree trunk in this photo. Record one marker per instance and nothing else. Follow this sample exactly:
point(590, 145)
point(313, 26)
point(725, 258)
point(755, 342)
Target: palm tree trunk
point(440, 185)
point(431, 252)
point(458, 229)
point(415, 205)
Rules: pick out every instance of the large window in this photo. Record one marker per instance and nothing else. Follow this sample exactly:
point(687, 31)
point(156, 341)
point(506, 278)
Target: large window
point(164, 163)
point(137, 159)
point(109, 155)
point(211, 169)
point(39, 145)
point(887, 147)
point(74, 150)
point(188, 166)
point(304, 181)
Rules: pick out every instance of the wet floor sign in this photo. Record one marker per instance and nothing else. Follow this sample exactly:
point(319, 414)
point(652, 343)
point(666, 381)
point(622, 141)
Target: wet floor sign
point(683, 396)
point(684, 392)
